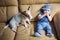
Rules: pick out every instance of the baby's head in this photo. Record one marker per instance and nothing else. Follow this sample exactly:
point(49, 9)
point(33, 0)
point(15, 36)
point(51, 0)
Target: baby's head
point(46, 8)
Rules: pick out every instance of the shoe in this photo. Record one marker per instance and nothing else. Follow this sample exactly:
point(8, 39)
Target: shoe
point(37, 34)
point(50, 34)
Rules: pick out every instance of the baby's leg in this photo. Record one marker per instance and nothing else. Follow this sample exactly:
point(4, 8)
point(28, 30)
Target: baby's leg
point(49, 30)
point(39, 30)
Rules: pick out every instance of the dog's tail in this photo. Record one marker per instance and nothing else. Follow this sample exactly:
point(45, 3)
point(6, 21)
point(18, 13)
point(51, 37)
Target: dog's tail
point(4, 27)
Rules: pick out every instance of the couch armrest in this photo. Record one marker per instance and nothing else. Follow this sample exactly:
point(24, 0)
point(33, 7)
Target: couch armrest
point(57, 24)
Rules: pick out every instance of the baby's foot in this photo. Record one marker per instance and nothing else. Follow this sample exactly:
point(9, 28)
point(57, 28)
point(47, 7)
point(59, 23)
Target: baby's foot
point(50, 34)
point(37, 34)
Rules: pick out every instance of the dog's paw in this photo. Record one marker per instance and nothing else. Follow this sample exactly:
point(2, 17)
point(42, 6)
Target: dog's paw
point(27, 27)
point(18, 25)
point(14, 29)
point(28, 23)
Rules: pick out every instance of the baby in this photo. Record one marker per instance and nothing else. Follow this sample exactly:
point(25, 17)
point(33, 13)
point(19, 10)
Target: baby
point(43, 22)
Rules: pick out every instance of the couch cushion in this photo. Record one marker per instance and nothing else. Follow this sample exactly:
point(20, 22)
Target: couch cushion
point(1, 27)
point(11, 11)
point(7, 12)
point(24, 7)
point(42, 38)
point(38, 1)
point(8, 2)
point(3, 16)
point(6, 34)
point(22, 33)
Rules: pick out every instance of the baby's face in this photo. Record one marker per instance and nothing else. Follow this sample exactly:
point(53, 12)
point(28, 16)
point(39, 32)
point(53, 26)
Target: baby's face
point(47, 11)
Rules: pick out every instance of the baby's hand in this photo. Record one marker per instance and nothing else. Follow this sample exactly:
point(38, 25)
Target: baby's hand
point(45, 14)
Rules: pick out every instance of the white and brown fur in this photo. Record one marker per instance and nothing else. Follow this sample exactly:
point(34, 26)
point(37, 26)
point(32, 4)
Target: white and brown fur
point(18, 18)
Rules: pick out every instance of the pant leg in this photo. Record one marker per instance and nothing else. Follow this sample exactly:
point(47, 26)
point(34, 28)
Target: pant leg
point(48, 28)
point(39, 28)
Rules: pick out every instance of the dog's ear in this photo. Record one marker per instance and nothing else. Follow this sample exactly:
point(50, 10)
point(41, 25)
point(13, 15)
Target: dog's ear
point(25, 14)
point(28, 7)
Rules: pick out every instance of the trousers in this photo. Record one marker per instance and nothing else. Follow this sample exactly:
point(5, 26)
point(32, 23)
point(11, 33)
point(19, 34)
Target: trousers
point(44, 25)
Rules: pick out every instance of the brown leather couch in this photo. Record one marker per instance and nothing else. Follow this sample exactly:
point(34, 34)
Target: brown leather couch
point(9, 8)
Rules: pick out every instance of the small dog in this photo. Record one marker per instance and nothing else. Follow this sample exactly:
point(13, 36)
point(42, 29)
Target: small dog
point(18, 18)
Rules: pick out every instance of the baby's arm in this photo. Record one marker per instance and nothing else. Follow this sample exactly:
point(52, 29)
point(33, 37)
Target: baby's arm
point(41, 16)
point(49, 17)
